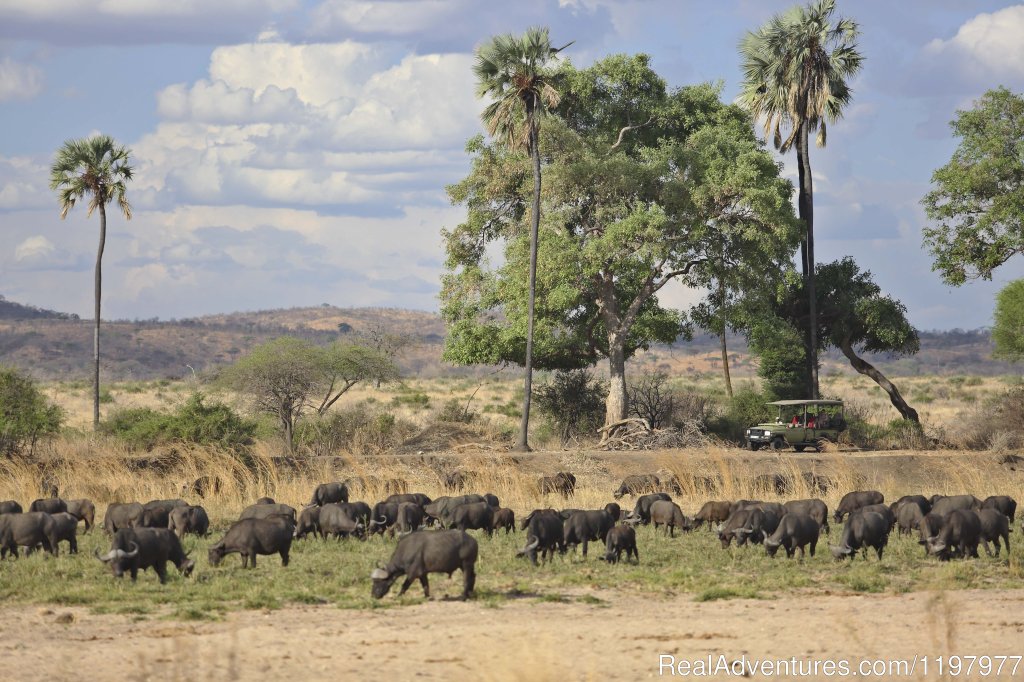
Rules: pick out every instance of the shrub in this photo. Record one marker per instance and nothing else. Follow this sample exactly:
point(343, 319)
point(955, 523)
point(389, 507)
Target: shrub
point(25, 414)
point(746, 407)
point(454, 411)
point(652, 399)
point(996, 424)
point(356, 428)
point(416, 400)
point(573, 401)
point(195, 421)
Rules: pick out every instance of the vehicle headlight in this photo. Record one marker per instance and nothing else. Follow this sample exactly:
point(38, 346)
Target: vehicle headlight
point(767, 433)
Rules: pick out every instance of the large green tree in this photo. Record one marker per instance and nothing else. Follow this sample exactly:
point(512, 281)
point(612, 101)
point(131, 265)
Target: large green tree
point(96, 169)
point(513, 73)
point(1008, 327)
point(643, 186)
point(977, 201)
point(796, 69)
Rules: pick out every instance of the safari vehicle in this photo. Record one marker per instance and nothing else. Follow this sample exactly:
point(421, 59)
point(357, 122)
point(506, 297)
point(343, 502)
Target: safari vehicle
point(801, 424)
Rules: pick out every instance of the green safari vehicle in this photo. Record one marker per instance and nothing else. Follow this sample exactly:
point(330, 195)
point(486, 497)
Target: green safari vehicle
point(801, 424)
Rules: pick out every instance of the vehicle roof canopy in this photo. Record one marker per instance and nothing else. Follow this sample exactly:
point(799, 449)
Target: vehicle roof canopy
point(790, 403)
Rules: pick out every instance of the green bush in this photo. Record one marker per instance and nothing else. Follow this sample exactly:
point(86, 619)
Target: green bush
point(455, 412)
point(573, 401)
point(747, 407)
point(196, 421)
point(416, 400)
point(362, 427)
point(25, 414)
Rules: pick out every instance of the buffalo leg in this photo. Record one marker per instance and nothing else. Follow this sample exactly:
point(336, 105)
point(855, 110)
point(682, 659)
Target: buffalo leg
point(284, 557)
point(426, 585)
point(468, 581)
point(161, 571)
point(405, 586)
point(988, 549)
point(73, 542)
point(584, 549)
point(135, 572)
point(814, 544)
point(879, 550)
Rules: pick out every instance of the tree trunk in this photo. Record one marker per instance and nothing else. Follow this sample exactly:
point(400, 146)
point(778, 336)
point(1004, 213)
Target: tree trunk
point(805, 206)
point(866, 368)
point(725, 348)
point(288, 426)
point(96, 327)
point(524, 427)
point(617, 403)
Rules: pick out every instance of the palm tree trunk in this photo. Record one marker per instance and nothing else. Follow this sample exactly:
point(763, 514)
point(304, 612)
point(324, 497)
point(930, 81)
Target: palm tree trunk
point(96, 328)
point(867, 369)
point(524, 427)
point(805, 206)
point(725, 348)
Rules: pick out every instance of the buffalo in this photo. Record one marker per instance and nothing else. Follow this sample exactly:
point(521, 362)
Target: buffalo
point(863, 529)
point(928, 527)
point(360, 511)
point(265, 511)
point(10, 507)
point(409, 518)
point(383, 517)
point(135, 548)
point(265, 500)
point(442, 508)
point(328, 493)
point(83, 510)
point(50, 505)
point(191, 519)
point(419, 498)
point(621, 539)
point(587, 526)
point(27, 530)
point(960, 533)
point(252, 536)
point(994, 525)
point(919, 501)
point(814, 508)
point(473, 516)
point(504, 518)
point(1002, 503)
point(614, 509)
point(751, 523)
point(120, 516)
point(424, 552)
point(853, 501)
point(642, 510)
point(943, 505)
point(638, 484)
point(157, 513)
point(543, 533)
point(308, 523)
point(563, 483)
point(884, 510)
point(66, 528)
point(453, 481)
point(668, 514)
point(712, 513)
point(908, 518)
point(795, 530)
point(334, 519)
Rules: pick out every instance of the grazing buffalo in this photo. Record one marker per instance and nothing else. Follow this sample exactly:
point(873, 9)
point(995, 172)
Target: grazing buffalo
point(265, 511)
point(191, 519)
point(27, 530)
point(135, 548)
point(250, 537)
point(817, 483)
point(10, 507)
point(742, 504)
point(383, 517)
point(668, 514)
point(157, 513)
point(1002, 503)
point(749, 523)
point(66, 529)
point(994, 526)
point(621, 539)
point(563, 483)
point(642, 510)
point(442, 508)
point(417, 554)
point(50, 505)
point(884, 510)
point(586, 526)
point(265, 500)
point(504, 518)
point(335, 520)
point(473, 516)
point(543, 533)
point(712, 513)
point(419, 498)
point(83, 510)
point(928, 528)
point(814, 508)
point(638, 484)
point(863, 529)
point(945, 504)
point(909, 518)
point(795, 530)
point(360, 511)
point(453, 481)
point(566, 513)
point(919, 501)
point(851, 502)
point(308, 523)
point(329, 493)
point(960, 533)
point(614, 509)
point(120, 516)
point(409, 517)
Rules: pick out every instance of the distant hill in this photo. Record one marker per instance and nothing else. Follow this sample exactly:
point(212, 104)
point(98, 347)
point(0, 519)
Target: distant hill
point(53, 345)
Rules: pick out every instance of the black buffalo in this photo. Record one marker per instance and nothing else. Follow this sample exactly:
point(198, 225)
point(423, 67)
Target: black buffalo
point(142, 548)
point(265, 511)
point(83, 510)
point(638, 484)
point(335, 520)
point(504, 518)
point(795, 531)
point(1002, 503)
point(27, 530)
point(621, 539)
point(814, 508)
point(191, 519)
point(851, 502)
point(328, 493)
point(118, 516)
point(308, 523)
point(473, 516)
point(863, 529)
point(250, 537)
point(642, 510)
point(50, 505)
point(544, 534)
point(712, 513)
point(563, 483)
point(10, 507)
point(995, 526)
point(943, 505)
point(424, 552)
point(587, 526)
point(668, 514)
point(960, 534)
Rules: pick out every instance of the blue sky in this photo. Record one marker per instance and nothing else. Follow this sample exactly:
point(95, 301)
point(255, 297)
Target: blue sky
point(295, 152)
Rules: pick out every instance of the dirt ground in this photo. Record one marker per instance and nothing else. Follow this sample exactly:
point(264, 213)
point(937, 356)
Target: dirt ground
point(621, 637)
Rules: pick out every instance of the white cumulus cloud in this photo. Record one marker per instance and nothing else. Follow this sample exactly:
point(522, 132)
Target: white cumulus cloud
point(19, 81)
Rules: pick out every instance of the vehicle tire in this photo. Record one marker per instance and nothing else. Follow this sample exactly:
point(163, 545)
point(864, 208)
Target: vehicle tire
point(754, 447)
point(799, 448)
point(778, 444)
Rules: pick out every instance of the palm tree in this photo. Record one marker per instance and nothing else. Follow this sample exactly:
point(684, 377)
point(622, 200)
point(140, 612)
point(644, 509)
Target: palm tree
point(511, 72)
point(795, 72)
point(96, 167)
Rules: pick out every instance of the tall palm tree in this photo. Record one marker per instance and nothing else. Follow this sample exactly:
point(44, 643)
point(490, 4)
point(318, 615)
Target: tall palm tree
point(795, 72)
point(97, 168)
point(512, 73)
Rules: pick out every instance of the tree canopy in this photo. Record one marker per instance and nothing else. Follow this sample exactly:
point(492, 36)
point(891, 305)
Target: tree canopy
point(977, 201)
point(1008, 327)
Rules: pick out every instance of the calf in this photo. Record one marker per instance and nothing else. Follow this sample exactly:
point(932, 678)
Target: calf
point(1002, 503)
point(713, 513)
point(191, 519)
point(621, 539)
point(544, 534)
point(994, 525)
point(587, 526)
point(668, 514)
point(960, 532)
point(504, 518)
point(250, 537)
point(795, 530)
point(862, 530)
point(814, 508)
point(83, 510)
point(424, 552)
point(135, 548)
point(853, 501)
point(308, 523)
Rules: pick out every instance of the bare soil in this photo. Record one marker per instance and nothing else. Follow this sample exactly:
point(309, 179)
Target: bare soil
point(594, 636)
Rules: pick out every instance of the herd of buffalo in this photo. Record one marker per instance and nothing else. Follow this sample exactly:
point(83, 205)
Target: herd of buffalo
point(433, 534)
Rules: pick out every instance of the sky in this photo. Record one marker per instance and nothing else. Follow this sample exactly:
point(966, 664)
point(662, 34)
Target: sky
point(295, 152)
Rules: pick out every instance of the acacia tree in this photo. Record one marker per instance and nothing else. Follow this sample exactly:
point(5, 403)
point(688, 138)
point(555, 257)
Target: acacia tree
point(644, 186)
point(512, 72)
point(97, 168)
point(795, 72)
point(288, 377)
point(1008, 327)
point(977, 203)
